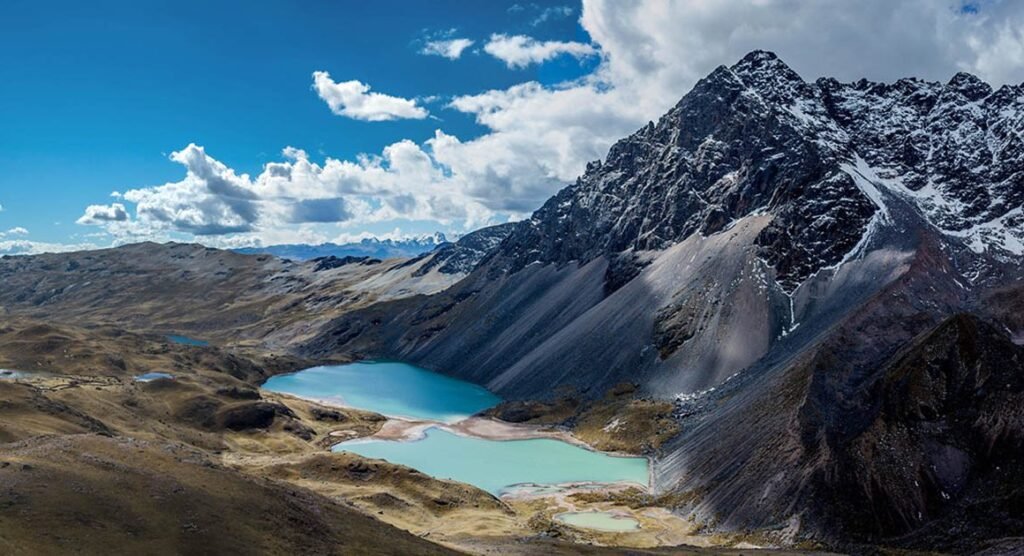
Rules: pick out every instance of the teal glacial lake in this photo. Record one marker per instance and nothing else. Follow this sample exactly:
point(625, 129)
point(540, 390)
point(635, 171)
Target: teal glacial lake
point(500, 466)
point(389, 388)
point(186, 340)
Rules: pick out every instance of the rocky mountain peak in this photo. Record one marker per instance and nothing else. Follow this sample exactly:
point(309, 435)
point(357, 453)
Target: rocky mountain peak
point(765, 73)
point(820, 158)
point(767, 63)
point(970, 86)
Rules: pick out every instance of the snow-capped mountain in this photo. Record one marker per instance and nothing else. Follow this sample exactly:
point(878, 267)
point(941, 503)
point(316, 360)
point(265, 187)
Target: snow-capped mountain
point(783, 259)
point(793, 200)
point(462, 256)
point(369, 247)
point(820, 158)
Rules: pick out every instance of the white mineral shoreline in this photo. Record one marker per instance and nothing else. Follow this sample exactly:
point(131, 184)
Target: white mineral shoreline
point(404, 429)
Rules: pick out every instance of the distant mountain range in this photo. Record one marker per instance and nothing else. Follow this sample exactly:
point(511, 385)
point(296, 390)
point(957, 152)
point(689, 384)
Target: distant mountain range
point(370, 247)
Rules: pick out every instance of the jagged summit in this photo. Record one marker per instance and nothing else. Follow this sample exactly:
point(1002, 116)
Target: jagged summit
point(970, 86)
point(821, 158)
point(770, 76)
point(758, 57)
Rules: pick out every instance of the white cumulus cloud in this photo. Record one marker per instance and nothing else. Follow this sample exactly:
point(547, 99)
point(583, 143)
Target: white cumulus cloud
point(448, 48)
point(406, 182)
point(353, 99)
point(660, 49)
point(519, 51)
point(95, 214)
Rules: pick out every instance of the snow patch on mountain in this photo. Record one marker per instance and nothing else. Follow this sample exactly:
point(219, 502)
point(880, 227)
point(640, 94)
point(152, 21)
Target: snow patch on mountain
point(868, 182)
point(1005, 232)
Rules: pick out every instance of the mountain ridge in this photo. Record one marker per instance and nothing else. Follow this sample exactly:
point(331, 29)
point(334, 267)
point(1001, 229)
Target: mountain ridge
point(750, 143)
point(386, 248)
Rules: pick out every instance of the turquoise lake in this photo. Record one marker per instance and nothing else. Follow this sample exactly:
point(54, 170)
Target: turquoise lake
point(149, 377)
point(186, 340)
point(389, 388)
point(497, 466)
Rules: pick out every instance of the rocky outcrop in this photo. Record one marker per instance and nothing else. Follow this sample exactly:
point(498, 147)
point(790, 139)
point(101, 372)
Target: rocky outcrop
point(921, 450)
point(819, 157)
point(332, 262)
point(936, 428)
point(462, 256)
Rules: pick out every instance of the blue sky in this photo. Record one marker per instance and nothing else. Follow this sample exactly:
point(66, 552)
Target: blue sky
point(277, 122)
point(96, 95)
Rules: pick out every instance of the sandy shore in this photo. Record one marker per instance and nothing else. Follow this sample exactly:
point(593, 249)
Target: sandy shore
point(477, 427)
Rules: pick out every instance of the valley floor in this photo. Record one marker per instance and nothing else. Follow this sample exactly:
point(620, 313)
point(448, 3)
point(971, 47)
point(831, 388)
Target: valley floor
point(76, 412)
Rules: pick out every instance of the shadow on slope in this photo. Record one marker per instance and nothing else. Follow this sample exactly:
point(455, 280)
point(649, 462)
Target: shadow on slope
point(892, 429)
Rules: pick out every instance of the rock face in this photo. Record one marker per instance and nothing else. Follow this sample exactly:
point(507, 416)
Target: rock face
point(955, 148)
point(941, 420)
point(921, 449)
point(732, 147)
point(825, 277)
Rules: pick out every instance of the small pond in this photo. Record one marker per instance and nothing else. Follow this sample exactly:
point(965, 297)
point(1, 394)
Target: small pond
point(600, 521)
point(186, 340)
point(149, 377)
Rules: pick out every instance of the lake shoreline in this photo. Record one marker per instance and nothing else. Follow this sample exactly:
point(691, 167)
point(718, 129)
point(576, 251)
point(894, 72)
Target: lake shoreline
point(406, 429)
